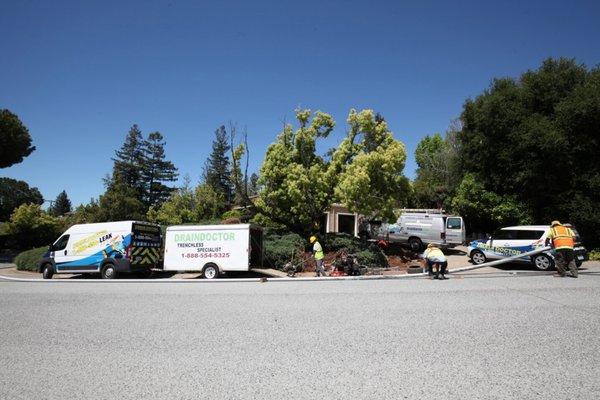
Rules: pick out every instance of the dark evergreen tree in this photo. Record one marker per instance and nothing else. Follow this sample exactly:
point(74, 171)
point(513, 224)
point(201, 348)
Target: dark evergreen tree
point(156, 171)
point(253, 187)
point(62, 205)
point(217, 169)
point(129, 161)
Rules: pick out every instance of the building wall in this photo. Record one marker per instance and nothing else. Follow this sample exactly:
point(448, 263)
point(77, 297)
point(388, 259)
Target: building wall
point(332, 218)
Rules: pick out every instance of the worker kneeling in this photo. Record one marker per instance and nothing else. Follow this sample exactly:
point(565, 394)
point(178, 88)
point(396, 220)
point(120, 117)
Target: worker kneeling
point(436, 262)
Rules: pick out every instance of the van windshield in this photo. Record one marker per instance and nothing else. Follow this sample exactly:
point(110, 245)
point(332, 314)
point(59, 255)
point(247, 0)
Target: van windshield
point(146, 235)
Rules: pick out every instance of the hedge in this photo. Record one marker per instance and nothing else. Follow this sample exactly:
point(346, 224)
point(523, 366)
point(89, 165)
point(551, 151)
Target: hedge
point(27, 260)
point(278, 249)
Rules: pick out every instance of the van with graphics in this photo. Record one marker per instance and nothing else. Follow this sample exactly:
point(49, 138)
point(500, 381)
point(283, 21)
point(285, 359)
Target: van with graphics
point(213, 249)
point(106, 248)
point(514, 240)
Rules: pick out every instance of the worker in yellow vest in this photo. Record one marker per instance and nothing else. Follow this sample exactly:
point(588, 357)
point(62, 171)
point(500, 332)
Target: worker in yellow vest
point(435, 257)
point(319, 255)
point(563, 241)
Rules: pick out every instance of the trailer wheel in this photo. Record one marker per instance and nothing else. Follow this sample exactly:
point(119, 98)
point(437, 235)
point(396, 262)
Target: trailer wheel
point(542, 262)
point(47, 271)
point(108, 271)
point(210, 271)
point(415, 244)
point(478, 257)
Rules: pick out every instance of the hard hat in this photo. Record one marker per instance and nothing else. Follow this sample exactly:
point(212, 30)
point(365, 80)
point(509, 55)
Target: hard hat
point(555, 223)
point(430, 245)
point(313, 239)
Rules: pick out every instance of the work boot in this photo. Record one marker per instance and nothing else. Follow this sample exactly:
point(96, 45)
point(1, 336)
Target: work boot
point(436, 276)
point(444, 277)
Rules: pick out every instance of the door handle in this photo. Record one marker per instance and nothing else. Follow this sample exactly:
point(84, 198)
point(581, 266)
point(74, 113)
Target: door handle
point(65, 253)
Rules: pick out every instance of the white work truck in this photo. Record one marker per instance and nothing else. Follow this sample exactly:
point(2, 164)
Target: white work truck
point(419, 227)
point(213, 249)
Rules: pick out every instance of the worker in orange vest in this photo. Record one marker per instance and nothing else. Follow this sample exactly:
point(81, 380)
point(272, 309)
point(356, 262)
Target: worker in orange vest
point(563, 241)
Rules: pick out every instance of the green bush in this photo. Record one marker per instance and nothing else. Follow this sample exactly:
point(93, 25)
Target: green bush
point(27, 260)
point(232, 214)
point(372, 257)
point(338, 241)
point(280, 248)
point(595, 255)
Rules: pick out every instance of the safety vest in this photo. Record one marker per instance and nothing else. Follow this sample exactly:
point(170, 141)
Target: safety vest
point(562, 237)
point(319, 255)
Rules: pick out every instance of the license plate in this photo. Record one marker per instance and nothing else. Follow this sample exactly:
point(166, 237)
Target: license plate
point(580, 257)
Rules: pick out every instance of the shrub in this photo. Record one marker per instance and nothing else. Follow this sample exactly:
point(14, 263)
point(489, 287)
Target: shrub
point(280, 248)
point(595, 255)
point(372, 257)
point(338, 241)
point(232, 214)
point(27, 260)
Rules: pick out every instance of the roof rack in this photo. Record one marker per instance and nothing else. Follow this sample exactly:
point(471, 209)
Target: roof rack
point(423, 210)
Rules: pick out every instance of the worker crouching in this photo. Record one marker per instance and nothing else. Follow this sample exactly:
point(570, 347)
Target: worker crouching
point(563, 241)
point(436, 262)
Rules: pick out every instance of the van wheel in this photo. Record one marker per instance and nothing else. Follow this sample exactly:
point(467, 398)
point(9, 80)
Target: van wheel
point(478, 257)
point(108, 271)
point(415, 244)
point(542, 262)
point(48, 271)
point(210, 271)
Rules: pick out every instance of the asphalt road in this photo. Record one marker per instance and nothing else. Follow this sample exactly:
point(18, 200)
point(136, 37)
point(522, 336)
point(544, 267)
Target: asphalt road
point(484, 337)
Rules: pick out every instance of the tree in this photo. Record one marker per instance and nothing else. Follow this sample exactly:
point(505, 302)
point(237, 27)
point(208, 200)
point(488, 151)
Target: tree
point(188, 205)
point(32, 226)
point(13, 193)
point(156, 170)
point(535, 139)
point(119, 202)
point(129, 161)
point(217, 169)
point(61, 206)
point(437, 171)
point(254, 187)
point(364, 172)
point(15, 141)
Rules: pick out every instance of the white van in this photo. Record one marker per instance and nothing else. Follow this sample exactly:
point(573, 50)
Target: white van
point(419, 227)
point(213, 249)
point(106, 248)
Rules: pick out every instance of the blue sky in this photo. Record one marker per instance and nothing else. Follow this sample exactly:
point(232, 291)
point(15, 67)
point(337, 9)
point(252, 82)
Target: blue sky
point(79, 74)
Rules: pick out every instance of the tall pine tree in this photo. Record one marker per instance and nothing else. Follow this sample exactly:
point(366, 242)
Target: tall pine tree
point(129, 161)
point(156, 171)
point(217, 169)
point(62, 205)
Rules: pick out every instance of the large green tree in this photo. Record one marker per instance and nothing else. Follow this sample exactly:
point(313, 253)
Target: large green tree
point(187, 205)
point(130, 161)
point(13, 193)
point(217, 169)
point(364, 172)
point(156, 171)
point(32, 226)
point(15, 141)
point(62, 205)
point(535, 139)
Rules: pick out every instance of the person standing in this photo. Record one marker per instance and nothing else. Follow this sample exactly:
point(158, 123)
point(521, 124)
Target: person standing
point(319, 255)
point(435, 256)
point(563, 241)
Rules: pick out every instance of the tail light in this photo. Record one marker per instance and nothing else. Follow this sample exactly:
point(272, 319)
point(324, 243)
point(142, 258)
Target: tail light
point(128, 251)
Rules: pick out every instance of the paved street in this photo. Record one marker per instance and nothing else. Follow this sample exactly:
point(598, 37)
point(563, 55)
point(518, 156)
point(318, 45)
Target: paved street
point(475, 336)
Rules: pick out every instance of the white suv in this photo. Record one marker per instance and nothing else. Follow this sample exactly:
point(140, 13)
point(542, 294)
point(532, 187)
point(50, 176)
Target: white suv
point(514, 240)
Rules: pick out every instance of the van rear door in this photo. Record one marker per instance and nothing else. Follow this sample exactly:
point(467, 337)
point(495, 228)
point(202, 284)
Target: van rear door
point(146, 244)
point(455, 230)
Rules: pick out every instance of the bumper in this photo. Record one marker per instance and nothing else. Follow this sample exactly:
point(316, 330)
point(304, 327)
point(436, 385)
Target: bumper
point(581, 254)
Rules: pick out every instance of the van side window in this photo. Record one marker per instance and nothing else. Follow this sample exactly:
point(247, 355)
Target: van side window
point(505, 234)
point(61, 243)
point(453, 223)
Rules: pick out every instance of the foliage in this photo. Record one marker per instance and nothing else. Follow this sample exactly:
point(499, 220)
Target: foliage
point(156, 170)
point(595, 255)
point(32, 226)
point(61, 206)
point(119, 202)
point(484, 210)
point(232, 214)
point(217, 169)
point(15, 141)
point(364, 172)
point(27, 260)
point(280, 248)
point(372, 257)
point(188, 206)
point(437, 172)
point(332, 242)
point(13, 193)
point(535, 140)
point(129, 161)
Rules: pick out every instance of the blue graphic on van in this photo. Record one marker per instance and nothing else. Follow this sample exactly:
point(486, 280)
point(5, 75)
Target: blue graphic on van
point(114, 249)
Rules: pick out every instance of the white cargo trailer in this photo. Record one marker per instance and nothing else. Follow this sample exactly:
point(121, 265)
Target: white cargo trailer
point(213, 249)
